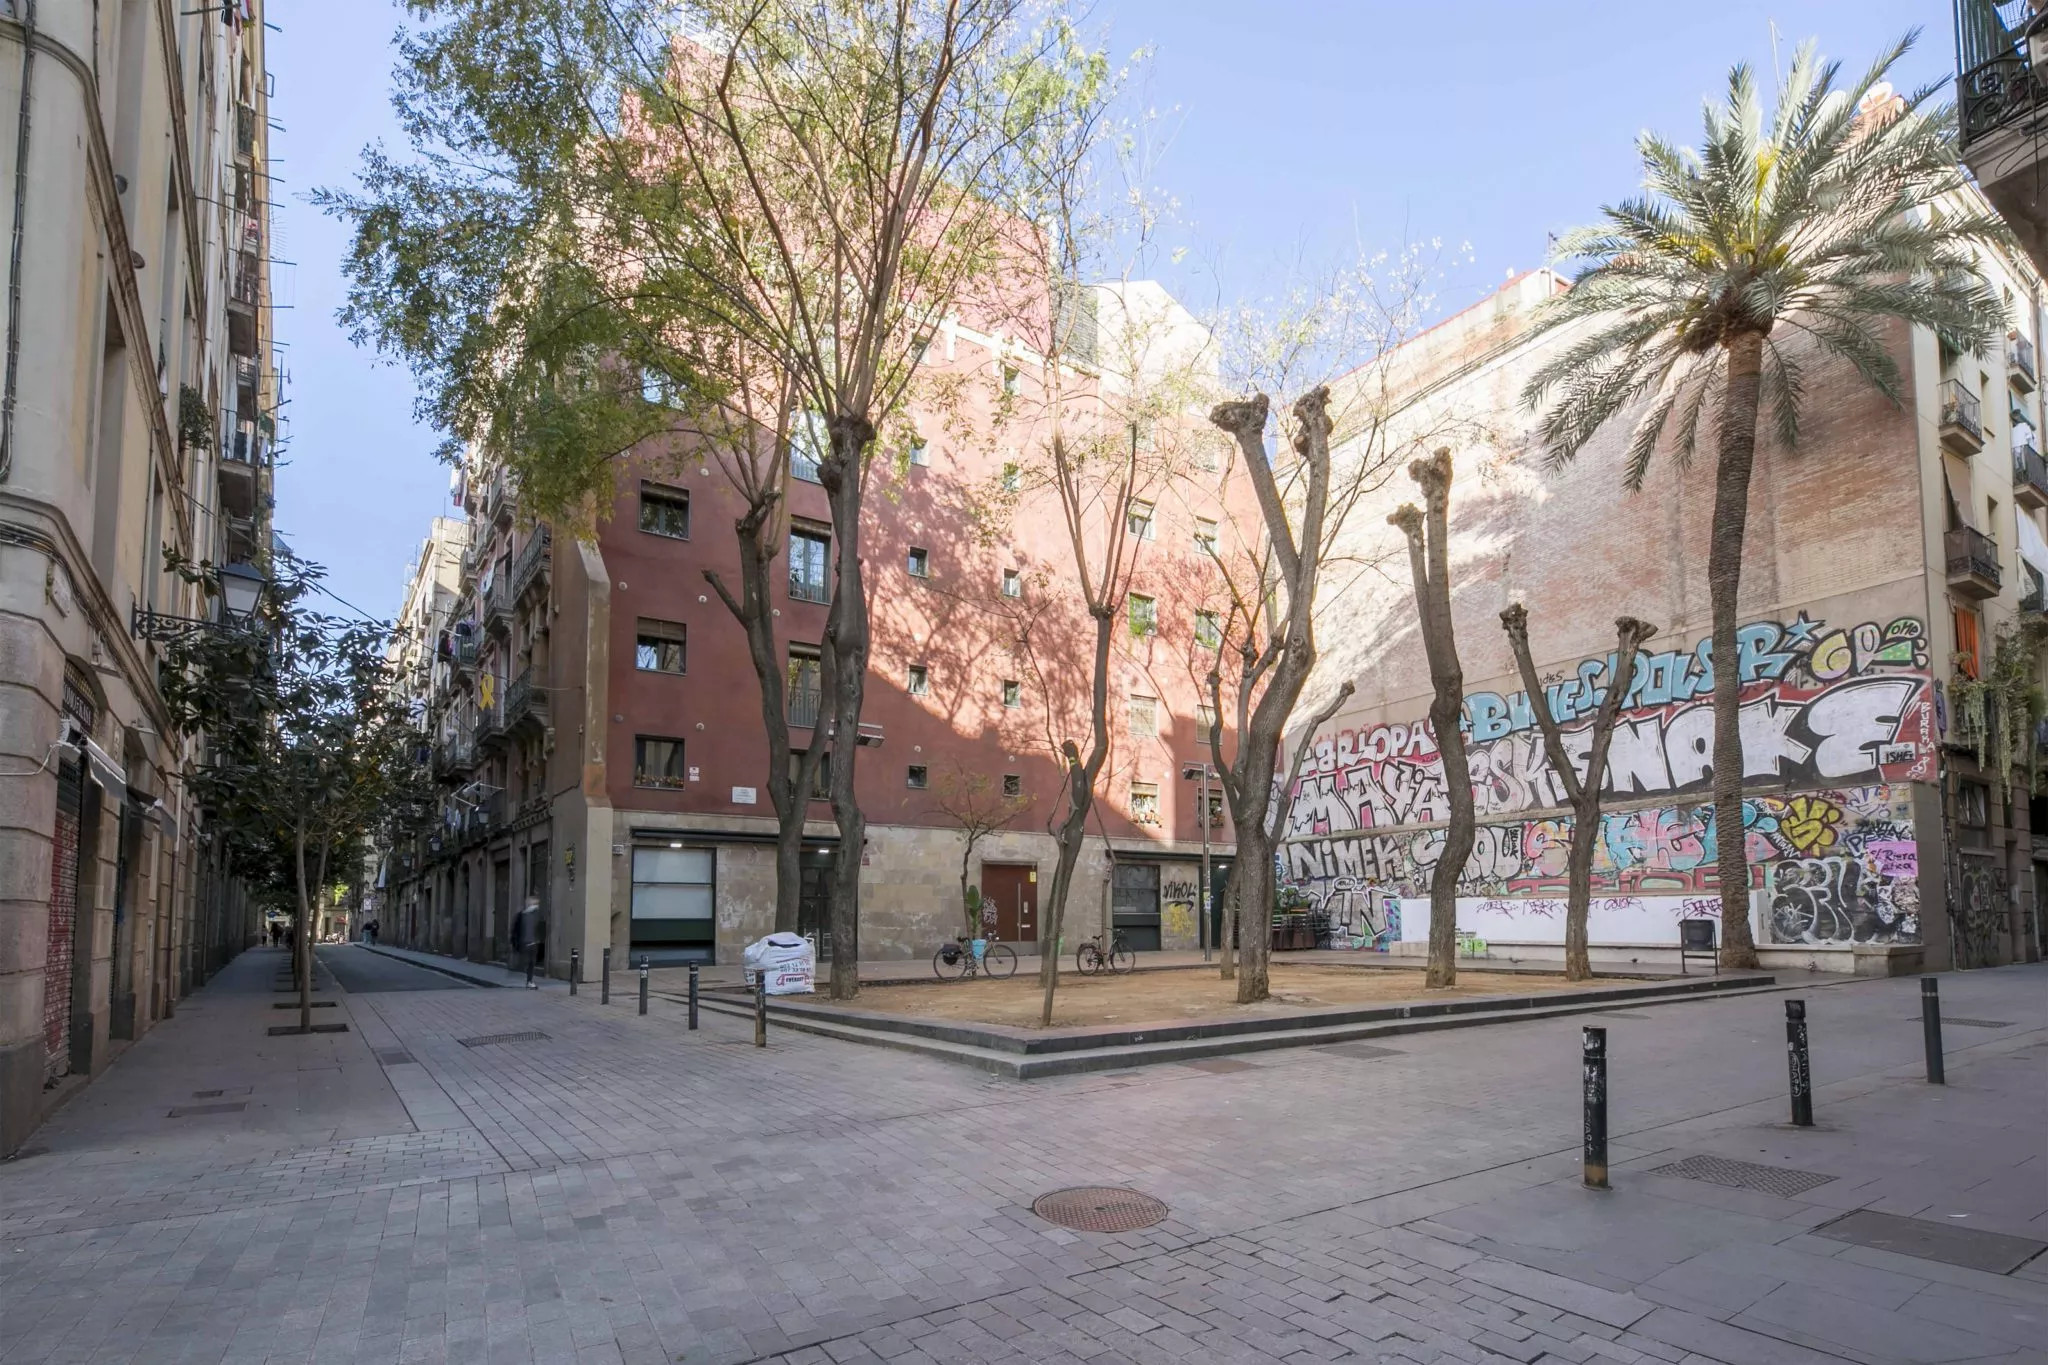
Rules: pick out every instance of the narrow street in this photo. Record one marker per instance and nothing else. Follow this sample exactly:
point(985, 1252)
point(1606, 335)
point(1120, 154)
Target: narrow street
point(498, 1175)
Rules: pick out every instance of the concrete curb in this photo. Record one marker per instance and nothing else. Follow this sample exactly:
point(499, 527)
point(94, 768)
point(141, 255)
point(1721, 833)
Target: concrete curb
point(428, 966)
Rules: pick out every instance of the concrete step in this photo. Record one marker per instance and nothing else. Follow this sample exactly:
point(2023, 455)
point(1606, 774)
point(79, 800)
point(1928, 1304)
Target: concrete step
point(1028, 1066)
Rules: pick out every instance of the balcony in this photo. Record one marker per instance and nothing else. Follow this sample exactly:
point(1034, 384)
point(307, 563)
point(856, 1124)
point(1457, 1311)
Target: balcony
point(489, 735)
point(526, 703)
point(1972, 563)
point(244, 292)
point(453, 759)
point(242, 539)
point(1962, 419)
point(2029, 476)
point(2001, 91)
point(803, 707)
point(2019, 363)
point(497, 607)
point(245, 131)
point(532, 565)
point(248, 382)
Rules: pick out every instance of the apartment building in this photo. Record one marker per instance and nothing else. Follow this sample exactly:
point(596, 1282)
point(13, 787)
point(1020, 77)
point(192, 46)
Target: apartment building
point(596, 716)
point(2002, 110)
point(1894, 560)
point(137, 416)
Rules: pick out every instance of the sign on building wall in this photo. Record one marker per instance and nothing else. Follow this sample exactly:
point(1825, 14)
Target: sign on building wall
point(1845, 708)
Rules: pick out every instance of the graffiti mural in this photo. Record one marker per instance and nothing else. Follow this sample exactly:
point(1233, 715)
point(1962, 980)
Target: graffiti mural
point(1821, 705)
point(1838, 865)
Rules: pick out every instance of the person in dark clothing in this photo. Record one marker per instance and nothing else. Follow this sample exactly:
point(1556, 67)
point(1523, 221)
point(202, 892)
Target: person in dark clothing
point(528, 934)
point(370, 932)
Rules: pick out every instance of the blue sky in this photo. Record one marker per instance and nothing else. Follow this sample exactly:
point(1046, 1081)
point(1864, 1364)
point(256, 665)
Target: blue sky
point(1301, 128)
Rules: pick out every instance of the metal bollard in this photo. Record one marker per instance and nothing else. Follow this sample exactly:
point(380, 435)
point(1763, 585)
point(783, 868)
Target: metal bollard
point(693, 995)
point(1800, 1063)
point(575, 968)
point(1595, 1068)
point(1930, 1029)
point(604, 990)
point(760, 1009)
point(643, 985)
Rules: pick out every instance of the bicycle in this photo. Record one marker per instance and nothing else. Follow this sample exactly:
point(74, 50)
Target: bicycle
point(958, 960)
point(1090, 957)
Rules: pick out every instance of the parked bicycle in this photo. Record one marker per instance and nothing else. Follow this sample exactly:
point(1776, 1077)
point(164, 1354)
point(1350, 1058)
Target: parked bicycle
point(965, 957)
point(1091, 957)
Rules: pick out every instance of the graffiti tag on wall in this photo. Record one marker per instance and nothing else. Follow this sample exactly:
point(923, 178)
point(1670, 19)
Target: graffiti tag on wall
point(1822, 705)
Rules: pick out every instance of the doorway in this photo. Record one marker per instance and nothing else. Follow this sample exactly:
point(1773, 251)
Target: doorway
point(814, 898)
point(1012, 890)
point(1134, 904)
point(501, 910)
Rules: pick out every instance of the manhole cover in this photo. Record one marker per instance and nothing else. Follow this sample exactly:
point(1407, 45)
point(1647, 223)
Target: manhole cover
point(1099, 1208)
point(1995, 1253)
point(1977, 1023)
point(1744, 1175)
point(393, 1056)
point(489, 1038)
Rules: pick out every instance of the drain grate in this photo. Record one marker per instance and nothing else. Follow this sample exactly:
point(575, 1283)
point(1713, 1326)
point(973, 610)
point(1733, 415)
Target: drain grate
point(1099, 1208)
point(393, 1056)
point(489, 1039)
point(1977, 1023)
point(1363, 1052)
point(1995, 1253)
point(1744, 1175)
point(187, 1111)
point(1219, 1066)
point(221, 1093)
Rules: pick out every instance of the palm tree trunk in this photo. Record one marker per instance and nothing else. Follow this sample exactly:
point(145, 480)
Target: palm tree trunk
point(1724, 581)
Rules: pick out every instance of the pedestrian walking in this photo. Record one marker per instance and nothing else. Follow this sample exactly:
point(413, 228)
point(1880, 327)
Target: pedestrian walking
point(529, 933)
point(370, 932)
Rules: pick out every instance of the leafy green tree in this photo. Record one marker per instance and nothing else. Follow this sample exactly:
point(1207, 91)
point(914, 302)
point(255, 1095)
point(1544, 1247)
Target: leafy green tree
point(1789, 237)
point(306, 748)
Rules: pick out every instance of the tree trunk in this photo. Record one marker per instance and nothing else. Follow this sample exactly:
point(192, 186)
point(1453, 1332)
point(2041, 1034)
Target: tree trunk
point(1231, 926)
point(1724, 580)
point(847, 637)
point(1429, 561)
point(1081, 776)
point(301, 936)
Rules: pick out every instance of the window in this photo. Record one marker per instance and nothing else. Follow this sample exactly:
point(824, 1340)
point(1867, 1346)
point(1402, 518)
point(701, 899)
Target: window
point(658, 762)
point(658, 389)
point(1205, 535)
point(821, 781)
point(1205, 720)
point(1973, 804)
point(1144, 715)
point(1968, 635)
point(1205, 456)
point(920, 452)
point(1208, 630)
point(665, 511)
point(660, 646)
point(1144, 615)
point(809, 550)
point(1011, 382)
point(803, 685)
point(672, 883)
point(1215, 808)
point(806, 446)
point(1145, 803)
point(1013, 693)
point(1138, 520)
point(1013, 583)
point(1013, 784)
point(918, 778)
point(1013, 477)
point(919, 562)
point(920, 681)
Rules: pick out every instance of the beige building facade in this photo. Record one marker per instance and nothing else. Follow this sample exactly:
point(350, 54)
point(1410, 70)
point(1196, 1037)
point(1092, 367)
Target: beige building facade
point(138, 416)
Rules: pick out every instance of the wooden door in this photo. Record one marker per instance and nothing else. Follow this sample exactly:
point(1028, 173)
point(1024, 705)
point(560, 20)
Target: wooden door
point(1013, 890)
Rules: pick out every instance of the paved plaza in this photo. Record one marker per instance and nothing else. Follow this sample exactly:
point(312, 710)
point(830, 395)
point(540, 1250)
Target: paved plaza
point(477, 1174)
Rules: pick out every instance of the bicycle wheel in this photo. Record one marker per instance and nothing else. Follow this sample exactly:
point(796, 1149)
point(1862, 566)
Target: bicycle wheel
point(1087, 959)
point(999, 960)
point(1122, 959)
point(950, 962)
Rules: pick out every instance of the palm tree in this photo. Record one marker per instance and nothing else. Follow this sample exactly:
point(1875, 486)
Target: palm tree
point(1839, 216)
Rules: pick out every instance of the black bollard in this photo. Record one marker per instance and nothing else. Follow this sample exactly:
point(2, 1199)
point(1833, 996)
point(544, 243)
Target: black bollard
point(1930, 1028)
point(575, 968)
point(643, 985)
point(693, 995)
point(1801, 1064)
point(1595, 1048)
point(604, 989)
point(761, 1009)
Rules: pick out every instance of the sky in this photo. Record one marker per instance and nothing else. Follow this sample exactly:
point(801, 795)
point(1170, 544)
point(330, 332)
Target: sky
point(1294, 133)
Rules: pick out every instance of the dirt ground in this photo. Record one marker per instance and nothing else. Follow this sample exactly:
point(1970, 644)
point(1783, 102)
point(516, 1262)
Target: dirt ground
point(1194, 993)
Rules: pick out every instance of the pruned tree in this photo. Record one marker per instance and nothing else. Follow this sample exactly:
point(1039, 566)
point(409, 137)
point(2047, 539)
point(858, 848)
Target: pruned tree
point(977, 807)
point(1827, 221)
point(605, 186)
point(1582, 793)
point(1429, 563)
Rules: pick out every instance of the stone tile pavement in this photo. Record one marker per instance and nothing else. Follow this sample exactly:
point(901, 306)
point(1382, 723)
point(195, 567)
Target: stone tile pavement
point(623, 1190)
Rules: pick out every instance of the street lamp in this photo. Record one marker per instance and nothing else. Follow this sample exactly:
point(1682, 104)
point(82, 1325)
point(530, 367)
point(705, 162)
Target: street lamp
point(1202, 773)
point(241, 590)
